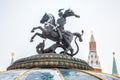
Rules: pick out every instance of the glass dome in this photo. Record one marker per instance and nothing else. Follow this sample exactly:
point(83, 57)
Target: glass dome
point(52, 67)
point(54, 74)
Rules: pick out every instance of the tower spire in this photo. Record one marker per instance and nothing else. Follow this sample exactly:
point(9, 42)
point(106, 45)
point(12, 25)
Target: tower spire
point(114, 68)
point(12, 57)
point(93, 59)
point(92, 37)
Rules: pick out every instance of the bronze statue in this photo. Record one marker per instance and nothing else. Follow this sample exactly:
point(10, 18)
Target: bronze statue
point(55, 32)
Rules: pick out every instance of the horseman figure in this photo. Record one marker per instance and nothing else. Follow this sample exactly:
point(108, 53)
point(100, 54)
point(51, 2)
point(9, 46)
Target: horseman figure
point(62, 20)
point(55, 31)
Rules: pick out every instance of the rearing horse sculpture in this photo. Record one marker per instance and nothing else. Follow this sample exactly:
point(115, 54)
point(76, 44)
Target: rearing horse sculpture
point(49, 32)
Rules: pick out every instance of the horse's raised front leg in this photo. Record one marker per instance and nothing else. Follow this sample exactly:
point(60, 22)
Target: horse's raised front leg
point(39, 27)
point(34, 29)
point(36, 34)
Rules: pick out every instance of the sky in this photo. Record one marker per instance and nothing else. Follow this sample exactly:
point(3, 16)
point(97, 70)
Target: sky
point(18, 17)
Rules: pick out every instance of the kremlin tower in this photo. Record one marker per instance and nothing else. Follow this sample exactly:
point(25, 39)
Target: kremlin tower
point(114, 68)
point(93, 59)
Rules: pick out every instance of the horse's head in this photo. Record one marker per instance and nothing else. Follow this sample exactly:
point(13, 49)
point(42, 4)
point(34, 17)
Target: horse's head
point(44, 18)
point(69, 13)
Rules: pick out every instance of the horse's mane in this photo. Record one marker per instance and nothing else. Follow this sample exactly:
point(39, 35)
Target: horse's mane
point(52, 18)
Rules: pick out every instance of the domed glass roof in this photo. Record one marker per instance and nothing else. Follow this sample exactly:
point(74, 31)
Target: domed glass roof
point(54, 74)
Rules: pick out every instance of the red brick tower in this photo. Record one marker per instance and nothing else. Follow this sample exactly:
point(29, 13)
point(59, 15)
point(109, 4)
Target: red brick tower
point(93, 59)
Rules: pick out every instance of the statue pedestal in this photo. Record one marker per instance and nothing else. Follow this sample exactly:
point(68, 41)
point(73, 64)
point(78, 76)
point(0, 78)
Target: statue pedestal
point(50, 60)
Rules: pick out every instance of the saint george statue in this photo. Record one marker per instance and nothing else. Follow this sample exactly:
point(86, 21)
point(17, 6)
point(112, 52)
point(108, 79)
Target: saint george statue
point(55, 31)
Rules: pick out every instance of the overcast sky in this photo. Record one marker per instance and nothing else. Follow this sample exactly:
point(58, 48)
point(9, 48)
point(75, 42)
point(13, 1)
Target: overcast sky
point(18, 17)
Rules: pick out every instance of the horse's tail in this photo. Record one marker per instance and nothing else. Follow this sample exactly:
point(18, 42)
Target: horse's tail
point(78, 35)
point(77, 46)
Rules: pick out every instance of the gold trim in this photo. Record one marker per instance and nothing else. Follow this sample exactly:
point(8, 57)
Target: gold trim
point(2, 72)
point(21, 75)
point(60, 74)
point(87, 72)
point(92, 74)
point(116, 75)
